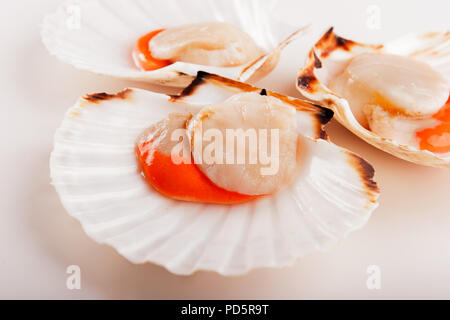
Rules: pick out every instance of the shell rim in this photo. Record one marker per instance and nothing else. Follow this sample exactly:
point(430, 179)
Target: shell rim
point(311, 88)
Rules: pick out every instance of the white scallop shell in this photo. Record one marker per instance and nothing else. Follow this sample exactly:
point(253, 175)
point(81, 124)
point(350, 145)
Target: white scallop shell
point(94, 170)
point(432, 48)
point(98, 35)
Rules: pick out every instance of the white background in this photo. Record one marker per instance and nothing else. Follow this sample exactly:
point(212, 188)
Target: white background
point(408, 235)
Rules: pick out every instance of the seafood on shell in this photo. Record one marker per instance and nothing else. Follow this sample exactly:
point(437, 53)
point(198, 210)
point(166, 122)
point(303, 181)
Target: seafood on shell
point(394, 96)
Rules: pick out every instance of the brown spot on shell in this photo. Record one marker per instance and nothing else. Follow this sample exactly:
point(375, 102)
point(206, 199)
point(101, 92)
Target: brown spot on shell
point(323, 135)
point(366, 172)
point(306, 81)
point(327, 44)
point(317, 62)
point(325, 115)
point(202, 77)
point(190, 89)
point(321, 114)
point(327, 35)
point(97, 97)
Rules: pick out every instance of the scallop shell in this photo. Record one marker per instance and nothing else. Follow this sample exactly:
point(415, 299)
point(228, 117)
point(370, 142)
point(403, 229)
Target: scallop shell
point(330, 55)
point(99, 35)
point(95, 172)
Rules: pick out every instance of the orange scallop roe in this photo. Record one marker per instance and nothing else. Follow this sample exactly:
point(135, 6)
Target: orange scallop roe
point(437, 139)
point(183, 181)
point(143, 57)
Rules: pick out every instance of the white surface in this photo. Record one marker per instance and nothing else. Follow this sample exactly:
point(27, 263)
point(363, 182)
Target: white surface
point(408, 235)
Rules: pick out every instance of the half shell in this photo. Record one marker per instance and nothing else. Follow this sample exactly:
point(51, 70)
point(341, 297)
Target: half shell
point(99, 35)
point(331, 54)
point(95, 172)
